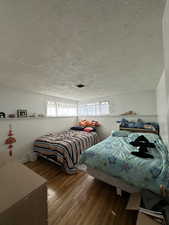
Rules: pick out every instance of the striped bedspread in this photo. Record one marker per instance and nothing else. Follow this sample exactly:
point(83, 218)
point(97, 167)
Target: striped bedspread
point(65, 148)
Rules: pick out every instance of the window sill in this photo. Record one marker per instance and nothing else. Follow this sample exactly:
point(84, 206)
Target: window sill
point(59, 117)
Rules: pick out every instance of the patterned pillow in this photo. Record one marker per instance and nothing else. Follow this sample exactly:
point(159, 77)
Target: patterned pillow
point(120, 133)
point(89, 129)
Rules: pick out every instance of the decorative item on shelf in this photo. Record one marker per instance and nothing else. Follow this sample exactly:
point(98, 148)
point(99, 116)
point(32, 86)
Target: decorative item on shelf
point(2, 115)
point(22, 113)
point(129, 113)
point(10, 140)
point(41, 115)
point(11, 116)
point(33, 115)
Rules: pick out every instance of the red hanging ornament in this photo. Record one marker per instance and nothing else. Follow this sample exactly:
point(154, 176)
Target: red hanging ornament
point(10, 140)
point(10, 146)
point(10, 133)
point(10, 152)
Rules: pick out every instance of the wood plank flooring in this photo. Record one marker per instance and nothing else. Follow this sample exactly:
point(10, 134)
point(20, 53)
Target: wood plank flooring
point(80, 199)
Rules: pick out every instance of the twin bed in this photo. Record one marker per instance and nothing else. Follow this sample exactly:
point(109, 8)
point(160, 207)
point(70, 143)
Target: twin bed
point(110, 160)
point(65, 148)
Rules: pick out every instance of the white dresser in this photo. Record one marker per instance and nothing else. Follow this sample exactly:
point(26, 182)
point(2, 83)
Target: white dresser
point(23, 196)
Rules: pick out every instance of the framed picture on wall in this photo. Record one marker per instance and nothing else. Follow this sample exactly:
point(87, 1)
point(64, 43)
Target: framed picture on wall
point(22, 113)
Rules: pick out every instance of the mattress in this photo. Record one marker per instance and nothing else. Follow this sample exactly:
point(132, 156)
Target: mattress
point(113, 157)
point(65, 148)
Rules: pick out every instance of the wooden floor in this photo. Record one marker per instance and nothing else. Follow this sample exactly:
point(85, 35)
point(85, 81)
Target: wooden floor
point(80, 199)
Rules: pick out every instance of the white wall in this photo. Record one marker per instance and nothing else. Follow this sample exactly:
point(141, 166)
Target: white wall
point(166, 52)
point(27, 130)
point(143, 103)
point(12, 99)
point(162, 108)
point(163, 86)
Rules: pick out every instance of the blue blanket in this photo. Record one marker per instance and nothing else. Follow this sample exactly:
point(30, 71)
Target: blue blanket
point(113, 157)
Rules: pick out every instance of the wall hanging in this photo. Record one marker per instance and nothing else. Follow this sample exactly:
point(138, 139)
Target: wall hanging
point(10, 140)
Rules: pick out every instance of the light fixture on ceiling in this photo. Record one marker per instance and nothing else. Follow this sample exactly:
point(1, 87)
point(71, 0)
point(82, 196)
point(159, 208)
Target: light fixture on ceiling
point(80, 85)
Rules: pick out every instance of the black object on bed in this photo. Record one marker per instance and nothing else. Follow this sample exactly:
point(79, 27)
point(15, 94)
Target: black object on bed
point(143, 143)
point(77, 128)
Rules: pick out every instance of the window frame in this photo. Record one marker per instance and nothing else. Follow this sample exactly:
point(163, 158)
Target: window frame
point(56, 103)
point(95, 104)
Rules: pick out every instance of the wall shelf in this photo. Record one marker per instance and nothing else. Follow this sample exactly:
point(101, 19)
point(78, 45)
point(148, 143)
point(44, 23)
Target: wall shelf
point(34, 118)
point(111, 115)
point(57, 117)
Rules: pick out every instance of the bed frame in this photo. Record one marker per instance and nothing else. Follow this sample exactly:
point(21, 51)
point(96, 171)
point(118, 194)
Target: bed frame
point(139, 130)
point(120, 185)
point(49, 159)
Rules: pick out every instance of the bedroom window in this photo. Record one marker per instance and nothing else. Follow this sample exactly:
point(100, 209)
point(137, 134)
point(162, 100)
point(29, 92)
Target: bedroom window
point(51, 109)
point(66, 109)
point(94, 109)
point(55, 109)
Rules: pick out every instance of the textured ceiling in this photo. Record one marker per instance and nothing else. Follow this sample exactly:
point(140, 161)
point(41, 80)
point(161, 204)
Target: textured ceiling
point(112, 46)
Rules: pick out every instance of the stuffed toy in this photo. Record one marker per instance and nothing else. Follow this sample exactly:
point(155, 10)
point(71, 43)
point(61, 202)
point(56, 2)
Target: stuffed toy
point(83, 123)
point(87, 123)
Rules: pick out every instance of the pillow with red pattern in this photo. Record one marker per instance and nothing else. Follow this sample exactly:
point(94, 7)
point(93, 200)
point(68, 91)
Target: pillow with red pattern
point(89, 129)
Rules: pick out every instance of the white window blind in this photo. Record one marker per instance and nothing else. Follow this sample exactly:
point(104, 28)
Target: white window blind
point(65, 109)
point(61, 109)
point(94, 109)
point(51, 109)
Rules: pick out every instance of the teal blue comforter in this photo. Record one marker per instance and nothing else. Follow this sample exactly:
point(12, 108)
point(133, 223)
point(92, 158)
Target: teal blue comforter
point(113, 157)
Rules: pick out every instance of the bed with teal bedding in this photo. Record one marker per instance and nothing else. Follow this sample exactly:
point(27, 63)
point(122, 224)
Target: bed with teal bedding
point(113, 157)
